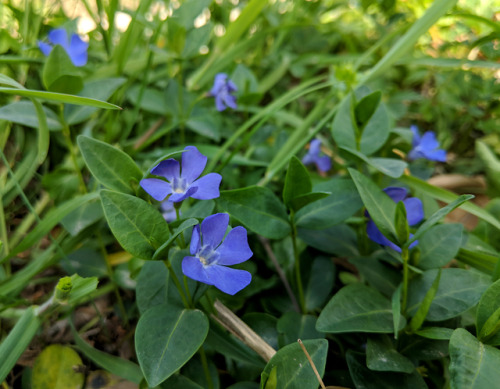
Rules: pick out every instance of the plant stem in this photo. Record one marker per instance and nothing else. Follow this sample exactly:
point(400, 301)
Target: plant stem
point(177, 283)
point(298, 276)
point(206, 370)
point(406, 256)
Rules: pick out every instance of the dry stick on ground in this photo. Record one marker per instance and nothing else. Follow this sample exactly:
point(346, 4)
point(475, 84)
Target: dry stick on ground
point(279, 270)
point(227, 319)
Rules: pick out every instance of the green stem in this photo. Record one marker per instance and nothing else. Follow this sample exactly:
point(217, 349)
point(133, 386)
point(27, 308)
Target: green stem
point(72, 151)
point(206, 370)
point(406, 272)
point(177, 283)
point(298, 276)
point(188, 294)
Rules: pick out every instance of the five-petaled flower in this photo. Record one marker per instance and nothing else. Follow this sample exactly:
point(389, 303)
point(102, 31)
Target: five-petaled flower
point(323, 163)
point(222, 91)
point(168, 211)
point(414, 214)
point(183, 183)
point(75, 47)
point(426, 146)
point(210, 258)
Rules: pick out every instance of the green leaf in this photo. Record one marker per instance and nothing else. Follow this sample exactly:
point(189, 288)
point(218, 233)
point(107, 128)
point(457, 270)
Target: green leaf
point(152, 285)
point(50, 220)
point(365, 378)
point(396, 310)
point(339, 240)
point(439, 245)
point(185, 225)
point(59, 73)
point(81, 287)
point(292, 326)
point(258, 209)
point(437, 333)
point(137, 225)
point(401, 223)
point(382, 356)
point(357, 308)
point(297, 181)
point(293, 370)
point(488, 315)
point(43, 132)
point(448, 197)
point(419, 317)
point(473, 365)
point(366, 107)
point(343, 202)
point(166, 338)
point(115, 365)
point(112, 167)
point(83, 217)
point(459, 290)
point(57, 367)
point(97, 89)
point(17, 340)
point(320, 283)
point(389, 166)
point(5, 80)
point(378, 273)
point(380, 206)
point(437, 216)
point(59, 97)
point(24, 112)
point(300, 202)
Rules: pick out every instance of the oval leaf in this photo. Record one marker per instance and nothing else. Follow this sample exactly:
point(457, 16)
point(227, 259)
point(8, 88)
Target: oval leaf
point(57, 368)
point(166, 338)
point(137, 225)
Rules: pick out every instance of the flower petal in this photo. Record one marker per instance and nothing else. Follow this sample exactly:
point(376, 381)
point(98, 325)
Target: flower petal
point(213, 229)
point(208, 187)
point(219, 103)
point(230, 100)
point(193, 268)
point(219, 81)
point(429, 142)
point(416, 135)
point(177, 197)
point(414, 210)
point(323, 163)
point(235, 248)
point(396, 193)
point(195, 244)
point(168, 169)
point(376, 236)
point(157, 189)
point(77, 50)
point(314, 147)
point(231, 86)
point(438, 155)
point(230, 281)
point(193, 164)
point(59, 36)
point(45, 48)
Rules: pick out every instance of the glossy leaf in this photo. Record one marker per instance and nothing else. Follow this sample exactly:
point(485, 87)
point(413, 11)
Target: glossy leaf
point(293, 370)
point(163, 249)
point(342, 203)
point(292, 326)
point(339, 240)
point(357, 308)
point(258, 209)
point(300, 202)
point(382, 356)
point(459, 290)
point(488, 315)
point(417, 320)
point(389, 166)
point(166, 338)
point(112, 167)
point(297, 181)
point(137, 225)
point(320, 283)
point(366, 107)
point(473, 365)
point(438, 333)
point(152, 285)
point(59, 73)
point(24, 112)
point(439, 245)
point(57, 368)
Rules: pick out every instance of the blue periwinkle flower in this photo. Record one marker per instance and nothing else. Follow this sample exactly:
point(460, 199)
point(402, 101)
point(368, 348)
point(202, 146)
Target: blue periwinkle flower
point(414, 215)
point(222, 91)
point(168, 211)
point(323, 163)
point(426, 146)
point(210, 258)
point(182, 180)
point(75, 47)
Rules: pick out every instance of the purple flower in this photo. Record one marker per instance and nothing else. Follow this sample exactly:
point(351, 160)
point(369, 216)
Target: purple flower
point(323, 163)
point(222, 91)
point(183, 183)
point(426, 146)
point(76, 48)
point(168, 211)
point(211, 258)
point(414, 215)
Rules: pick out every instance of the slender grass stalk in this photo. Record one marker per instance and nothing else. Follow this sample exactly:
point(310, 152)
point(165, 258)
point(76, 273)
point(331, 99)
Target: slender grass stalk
point(298, 275)
point(405, 253)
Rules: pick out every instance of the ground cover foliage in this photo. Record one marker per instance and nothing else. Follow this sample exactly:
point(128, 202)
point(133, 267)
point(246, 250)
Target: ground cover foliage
point(189, 187)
